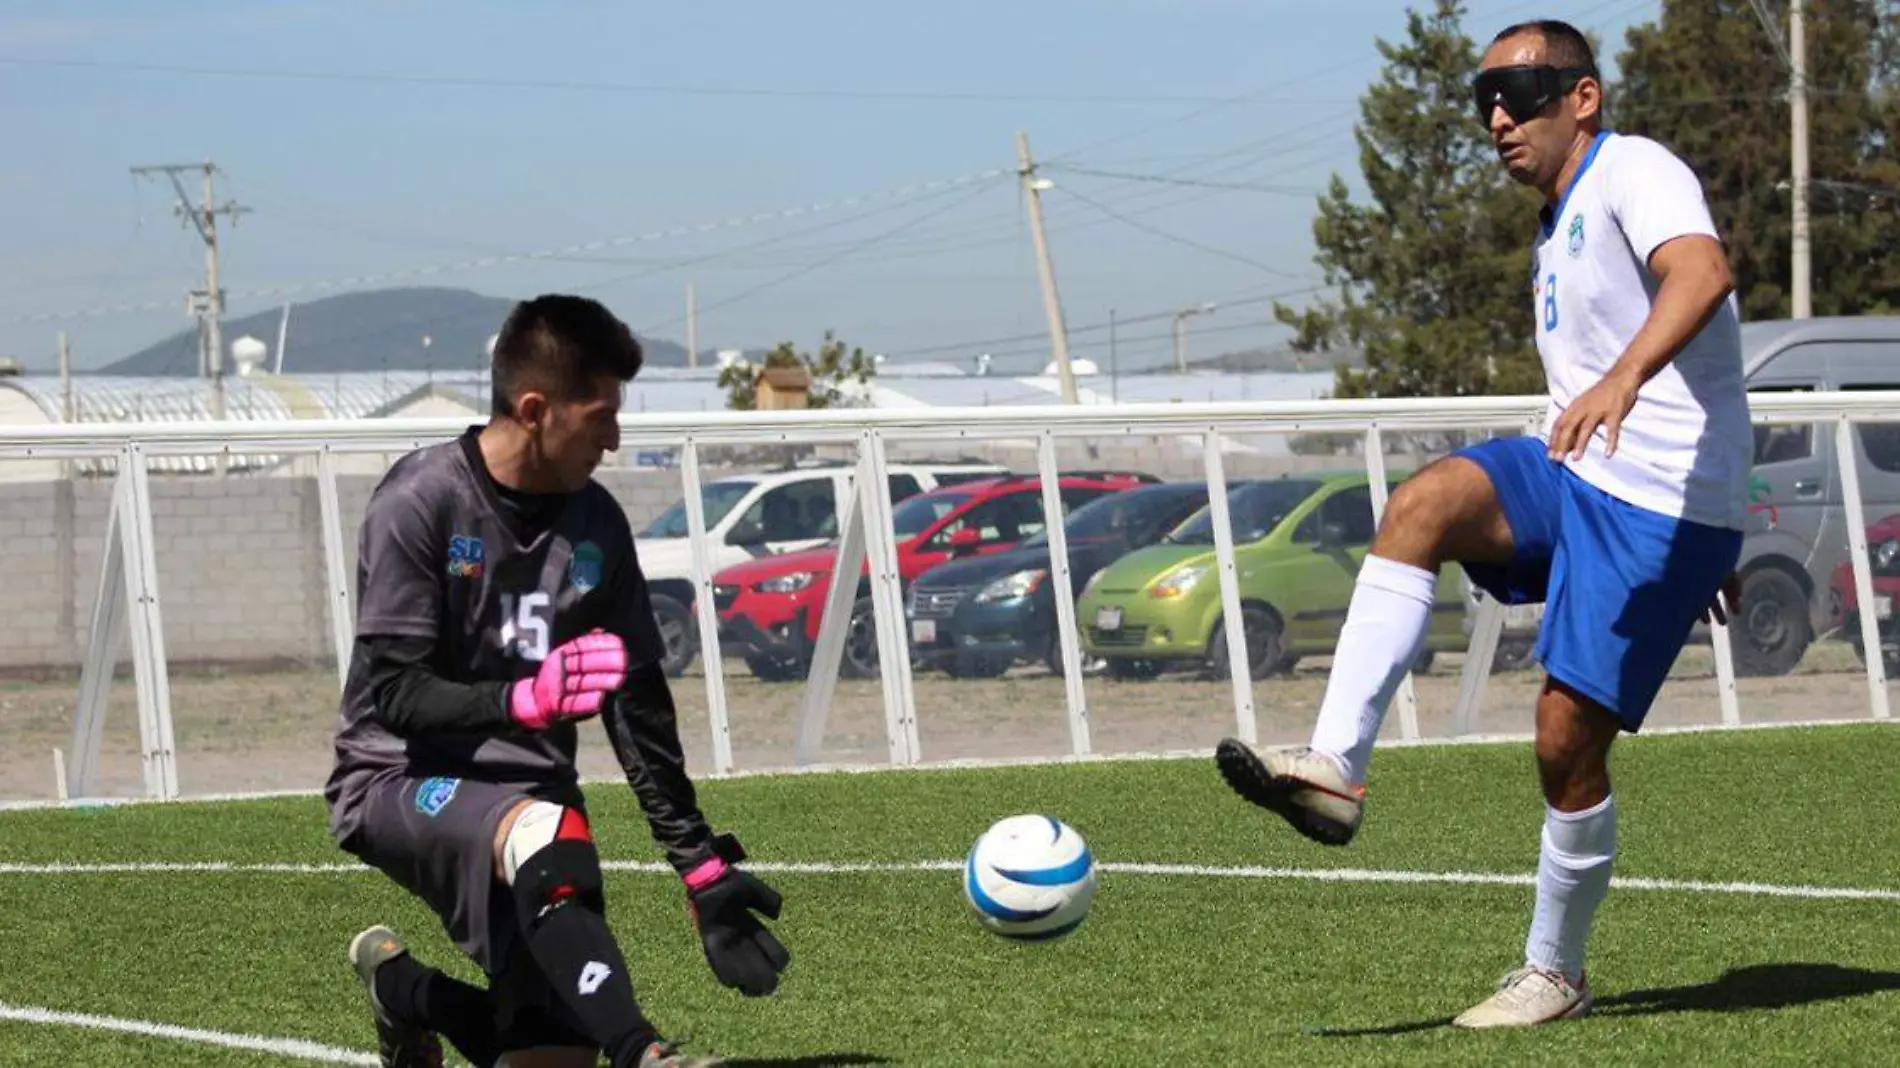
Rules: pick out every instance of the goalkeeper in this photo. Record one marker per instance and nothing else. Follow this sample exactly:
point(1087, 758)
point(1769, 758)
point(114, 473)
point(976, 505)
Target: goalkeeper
point(501, 603)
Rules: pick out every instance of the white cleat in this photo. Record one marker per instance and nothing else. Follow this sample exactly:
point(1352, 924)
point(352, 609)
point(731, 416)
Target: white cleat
point(1302, 786)
point(1528, 997)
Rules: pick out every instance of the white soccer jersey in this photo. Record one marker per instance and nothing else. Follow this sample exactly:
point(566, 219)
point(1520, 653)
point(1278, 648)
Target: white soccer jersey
point(1686, 447)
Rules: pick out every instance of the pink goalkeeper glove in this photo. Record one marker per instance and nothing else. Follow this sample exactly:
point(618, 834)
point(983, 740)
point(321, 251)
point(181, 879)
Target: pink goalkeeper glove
point(572, 682)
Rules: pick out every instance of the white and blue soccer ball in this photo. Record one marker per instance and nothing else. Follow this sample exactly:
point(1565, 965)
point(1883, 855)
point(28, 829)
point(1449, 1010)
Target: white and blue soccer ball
point(1030, 878)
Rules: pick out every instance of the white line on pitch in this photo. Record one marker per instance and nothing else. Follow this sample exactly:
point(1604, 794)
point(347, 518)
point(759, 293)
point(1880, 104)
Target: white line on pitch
point(1200, 871)
point(297, 1048)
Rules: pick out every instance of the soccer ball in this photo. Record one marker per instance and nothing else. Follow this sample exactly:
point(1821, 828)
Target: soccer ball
point(1030, 878)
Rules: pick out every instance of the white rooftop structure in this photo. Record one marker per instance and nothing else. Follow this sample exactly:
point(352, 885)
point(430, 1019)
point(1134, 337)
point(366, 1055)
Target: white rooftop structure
point(40, 399)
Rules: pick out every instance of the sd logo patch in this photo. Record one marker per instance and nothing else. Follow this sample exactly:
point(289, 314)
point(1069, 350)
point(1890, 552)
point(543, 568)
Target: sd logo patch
point(465, 557)
point(435, 794)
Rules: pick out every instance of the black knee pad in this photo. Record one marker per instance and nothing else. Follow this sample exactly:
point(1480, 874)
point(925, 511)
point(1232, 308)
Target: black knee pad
point(551, 861)
point(559, 874)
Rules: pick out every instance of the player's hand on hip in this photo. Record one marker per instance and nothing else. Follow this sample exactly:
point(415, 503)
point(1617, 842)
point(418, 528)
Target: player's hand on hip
point(573, 682)
point(744, 955)
point(1603, 406)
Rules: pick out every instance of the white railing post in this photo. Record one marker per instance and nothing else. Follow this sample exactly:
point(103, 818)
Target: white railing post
point(1480, 654)
point(834, 625)
point(1848, 456)
point(887, 603)
point(710, 655)
point(1239, 669)
point(1725, 690)
point(1375, 476)
point(1064, 594)
point(336, 571)
point(148, 629)
point(102, 649)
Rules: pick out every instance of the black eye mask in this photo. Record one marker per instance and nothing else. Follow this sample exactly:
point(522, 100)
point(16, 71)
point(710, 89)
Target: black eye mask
point(1523, 92)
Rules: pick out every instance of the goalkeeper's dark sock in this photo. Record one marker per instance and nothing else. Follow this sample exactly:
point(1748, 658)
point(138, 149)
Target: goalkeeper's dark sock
point(576, 950)
point(415, 993)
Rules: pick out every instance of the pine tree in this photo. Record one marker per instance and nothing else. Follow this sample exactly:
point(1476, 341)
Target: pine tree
point(1708, 81)
point(830, 370)
point(1433, 275)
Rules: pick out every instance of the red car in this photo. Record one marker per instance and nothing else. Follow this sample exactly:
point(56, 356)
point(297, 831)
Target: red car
point(1883, 551)
point(770, 608)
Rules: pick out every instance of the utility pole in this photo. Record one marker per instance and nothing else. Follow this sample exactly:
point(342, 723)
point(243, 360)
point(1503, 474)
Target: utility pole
point(1051, 301)
point(1180, 333)
point(66, 411)
point(1798, 106)
point(692, 326)
point(1114, 364)
point(65, 379)
point(206, 304)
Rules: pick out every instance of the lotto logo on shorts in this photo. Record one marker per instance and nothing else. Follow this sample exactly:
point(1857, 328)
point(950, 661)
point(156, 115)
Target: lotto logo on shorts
point(434, 795)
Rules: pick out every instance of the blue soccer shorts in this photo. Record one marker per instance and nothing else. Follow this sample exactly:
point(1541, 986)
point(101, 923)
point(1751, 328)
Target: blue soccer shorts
point(1622, 586)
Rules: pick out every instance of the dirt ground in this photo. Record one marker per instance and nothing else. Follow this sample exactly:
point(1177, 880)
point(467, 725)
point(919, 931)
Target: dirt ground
point(266, 732)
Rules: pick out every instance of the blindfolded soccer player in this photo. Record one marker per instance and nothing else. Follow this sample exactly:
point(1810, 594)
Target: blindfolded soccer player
point(501, 604)
point(1624, 517)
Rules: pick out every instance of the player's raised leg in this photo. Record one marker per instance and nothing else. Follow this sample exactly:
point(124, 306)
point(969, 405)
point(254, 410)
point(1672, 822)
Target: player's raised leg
point(1449, 511)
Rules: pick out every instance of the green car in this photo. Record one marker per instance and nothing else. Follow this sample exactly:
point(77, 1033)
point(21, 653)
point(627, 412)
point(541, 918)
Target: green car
point(1298, 542)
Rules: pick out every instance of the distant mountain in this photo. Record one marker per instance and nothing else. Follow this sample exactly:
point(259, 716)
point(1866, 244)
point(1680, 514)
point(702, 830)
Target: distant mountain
point(368, 331)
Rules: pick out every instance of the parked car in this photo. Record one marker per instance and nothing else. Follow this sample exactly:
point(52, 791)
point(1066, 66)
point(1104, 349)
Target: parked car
point(770, 608)
point(1883, 558)
point(1298, 544)
point(779, 511)
point(975, 618)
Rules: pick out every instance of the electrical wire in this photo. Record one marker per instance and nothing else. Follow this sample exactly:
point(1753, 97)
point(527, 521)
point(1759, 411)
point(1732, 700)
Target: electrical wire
point(1178, 239)
point(485, 262)
point(825, 262)
point(576, 85)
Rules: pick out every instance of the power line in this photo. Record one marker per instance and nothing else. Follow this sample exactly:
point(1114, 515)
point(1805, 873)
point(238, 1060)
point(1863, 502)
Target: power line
point(1100, 325)
point(575, 85)
point(484, 262)
point(1178, 239)
point(825, 262)
point(1224, 328)
point(1285, 190)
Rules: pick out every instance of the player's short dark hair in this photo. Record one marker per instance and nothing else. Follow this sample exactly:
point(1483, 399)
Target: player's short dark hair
point(560, 345)
point(1564, 44)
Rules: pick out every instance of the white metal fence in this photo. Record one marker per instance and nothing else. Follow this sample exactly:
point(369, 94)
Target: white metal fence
point(132, 594)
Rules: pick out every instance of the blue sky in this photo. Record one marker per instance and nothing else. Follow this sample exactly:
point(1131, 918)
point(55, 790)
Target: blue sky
point(848, 110)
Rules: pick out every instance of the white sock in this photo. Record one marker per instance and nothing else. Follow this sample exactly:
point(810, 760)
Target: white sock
point(1573, 875)
point(1385, 627)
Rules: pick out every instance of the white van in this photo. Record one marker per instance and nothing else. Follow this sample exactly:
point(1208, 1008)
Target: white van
point(788, 509)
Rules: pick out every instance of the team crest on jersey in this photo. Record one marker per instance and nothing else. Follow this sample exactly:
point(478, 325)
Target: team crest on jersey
point(1576, 235)
point(435, 794)
point(584, 567)
point(465, 557)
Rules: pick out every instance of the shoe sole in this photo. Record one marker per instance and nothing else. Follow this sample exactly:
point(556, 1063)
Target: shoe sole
point(1249, 778)
point(1575, 1012)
